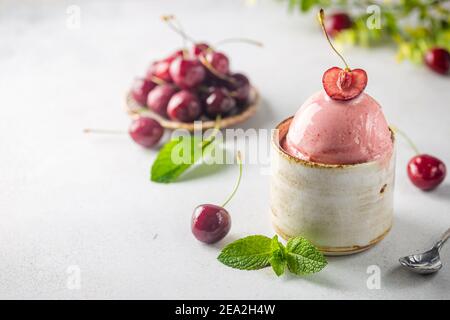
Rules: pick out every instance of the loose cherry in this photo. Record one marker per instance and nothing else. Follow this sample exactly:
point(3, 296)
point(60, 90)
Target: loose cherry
point(211, 223)
point(140, 90)
point(342, 84)
point(337, 22)
point(438, 60)
point(159, 97)
point(218, 102)
point(146, 131)
point(187, 73)
point(184, 106)
point(426, 172)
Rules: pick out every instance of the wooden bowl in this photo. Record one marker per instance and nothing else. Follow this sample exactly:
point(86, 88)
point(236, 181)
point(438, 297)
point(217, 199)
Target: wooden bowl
point(134, 109)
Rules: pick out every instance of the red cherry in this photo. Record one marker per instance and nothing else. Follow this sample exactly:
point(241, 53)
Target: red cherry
point(159, 97)
point(342, 84)
point(240, 87)
point(219, 62)
point(140, 90)
point(337, 22)
point(426, 172)
point(146, 131)
point(218, 101)
point(184, 106)
point(187, 73)
point(160, 69)
point(199, 48)
point(438, 60)
point(210, 223)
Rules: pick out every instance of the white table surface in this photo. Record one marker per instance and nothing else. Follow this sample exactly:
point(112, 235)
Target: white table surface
point(68, 199)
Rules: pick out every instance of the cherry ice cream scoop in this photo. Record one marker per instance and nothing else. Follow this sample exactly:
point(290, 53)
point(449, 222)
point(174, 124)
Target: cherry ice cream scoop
point(340, 124)
point(339, 132)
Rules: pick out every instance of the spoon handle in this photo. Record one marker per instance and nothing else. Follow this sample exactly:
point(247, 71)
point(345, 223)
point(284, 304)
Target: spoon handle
point(444, 238)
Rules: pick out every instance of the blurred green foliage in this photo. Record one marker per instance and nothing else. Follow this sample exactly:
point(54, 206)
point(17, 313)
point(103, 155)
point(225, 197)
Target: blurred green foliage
point(413, 26)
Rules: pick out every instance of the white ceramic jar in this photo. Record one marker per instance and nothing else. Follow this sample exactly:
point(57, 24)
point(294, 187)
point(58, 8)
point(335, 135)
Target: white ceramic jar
point(342, 209)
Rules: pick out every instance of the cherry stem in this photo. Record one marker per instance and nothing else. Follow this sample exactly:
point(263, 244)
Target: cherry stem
point(158, 80)
point(103, 131)
point(236, 186)
point(321, 17)
point(213, 134)
point(208, 65)
point(408, 139)
point(178, 28)
point(243, 40)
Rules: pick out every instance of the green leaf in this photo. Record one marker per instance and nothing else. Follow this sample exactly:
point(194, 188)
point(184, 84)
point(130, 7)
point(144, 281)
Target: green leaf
point(278, 259)
point(307, 4)
point(176, 156)
point(249, 253)
point(303, 257)
point(292, 4)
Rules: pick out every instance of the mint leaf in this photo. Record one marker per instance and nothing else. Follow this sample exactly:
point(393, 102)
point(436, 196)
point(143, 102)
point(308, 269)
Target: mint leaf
point(176, 156)
point(278, 259)
point(303, 257)
point(257, 252)
point(249, 253)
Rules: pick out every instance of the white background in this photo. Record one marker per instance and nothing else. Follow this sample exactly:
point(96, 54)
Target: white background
point(67, 198)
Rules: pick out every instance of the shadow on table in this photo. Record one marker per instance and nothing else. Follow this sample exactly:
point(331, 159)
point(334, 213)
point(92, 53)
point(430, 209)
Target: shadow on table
point(442, 192)
point(202, 170)
point(263, 118)
point(322, 279)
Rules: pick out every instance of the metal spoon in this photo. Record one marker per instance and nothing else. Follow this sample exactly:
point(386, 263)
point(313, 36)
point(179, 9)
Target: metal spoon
point(427, 262)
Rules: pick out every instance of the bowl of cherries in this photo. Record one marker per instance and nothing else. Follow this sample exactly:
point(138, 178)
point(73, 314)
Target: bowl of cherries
point(193, 84)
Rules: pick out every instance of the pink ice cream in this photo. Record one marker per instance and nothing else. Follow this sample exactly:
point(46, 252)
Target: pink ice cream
point(339, 132)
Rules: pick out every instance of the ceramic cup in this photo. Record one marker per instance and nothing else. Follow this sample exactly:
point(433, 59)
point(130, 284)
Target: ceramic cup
point(342, 209)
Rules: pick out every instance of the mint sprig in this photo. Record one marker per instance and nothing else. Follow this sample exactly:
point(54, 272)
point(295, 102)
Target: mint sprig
point(256, 252)
point(278, 258)
point(250, 253)
point(303, 258)
point(178, 155)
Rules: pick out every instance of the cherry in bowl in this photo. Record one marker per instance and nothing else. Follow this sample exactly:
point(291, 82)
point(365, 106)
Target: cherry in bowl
point(140, 90)
point(159, 98)
point(161, 69)
point(199, 48)
point(239, 85)
point(187, 73)
point(184, 106)
point(218, 101)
